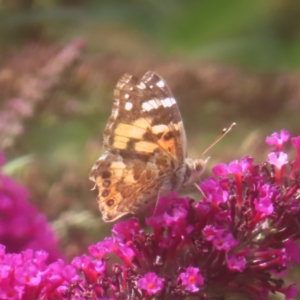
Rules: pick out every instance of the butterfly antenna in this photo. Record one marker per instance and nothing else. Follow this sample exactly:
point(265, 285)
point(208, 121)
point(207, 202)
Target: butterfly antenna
point(223, 133)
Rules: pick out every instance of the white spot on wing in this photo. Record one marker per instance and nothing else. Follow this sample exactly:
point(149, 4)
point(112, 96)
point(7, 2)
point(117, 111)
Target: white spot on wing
point(128, 106)
point(115, 113)
point(110, 126)
point(141, 86)
point(126, 96)
point(160, 83)
point(146, 106)
point(168, 102)
point(103, 156)
point(153, 103)
point(159, 128)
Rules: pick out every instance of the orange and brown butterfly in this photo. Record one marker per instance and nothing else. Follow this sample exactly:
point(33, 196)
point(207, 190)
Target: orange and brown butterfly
point(145, 144)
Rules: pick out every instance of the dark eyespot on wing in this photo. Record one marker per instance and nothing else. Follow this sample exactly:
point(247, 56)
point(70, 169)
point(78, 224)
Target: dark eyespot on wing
point(105, 193)
point(110, 202)
point(106, 183)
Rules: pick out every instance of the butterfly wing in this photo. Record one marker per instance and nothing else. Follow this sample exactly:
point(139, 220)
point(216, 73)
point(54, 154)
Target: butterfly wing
point(145, 119)
point(145, 141)
point(125, 185)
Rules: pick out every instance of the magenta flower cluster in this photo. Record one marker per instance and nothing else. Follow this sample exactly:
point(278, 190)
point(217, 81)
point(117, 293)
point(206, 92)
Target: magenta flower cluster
point(21, 225)
point(26, 276)
point(240, 239)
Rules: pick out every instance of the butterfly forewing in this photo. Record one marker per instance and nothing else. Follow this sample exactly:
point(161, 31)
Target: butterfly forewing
point(145, 119)
point(166, 112)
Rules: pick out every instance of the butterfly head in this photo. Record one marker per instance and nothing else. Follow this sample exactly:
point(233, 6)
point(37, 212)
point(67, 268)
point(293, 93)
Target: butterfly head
point(194, 170)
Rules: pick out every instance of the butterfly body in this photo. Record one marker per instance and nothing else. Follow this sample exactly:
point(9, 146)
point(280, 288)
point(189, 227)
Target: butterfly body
point(145, 146)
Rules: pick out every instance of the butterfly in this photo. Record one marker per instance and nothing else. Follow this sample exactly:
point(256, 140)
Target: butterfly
point(146, 148)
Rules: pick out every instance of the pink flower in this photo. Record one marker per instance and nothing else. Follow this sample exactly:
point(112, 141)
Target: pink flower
point(191, 279)
point(278, 139)
point(21, 225)
point(236, 262)
point(224, 241)
point(151, 283)
point(264, 203)
point(220, 170)
point(278, 160)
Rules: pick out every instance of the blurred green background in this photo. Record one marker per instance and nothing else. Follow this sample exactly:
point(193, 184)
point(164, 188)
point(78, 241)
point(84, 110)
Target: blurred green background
point(225, 61)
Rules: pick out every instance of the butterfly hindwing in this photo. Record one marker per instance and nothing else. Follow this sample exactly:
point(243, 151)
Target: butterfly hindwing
point(124, 185)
